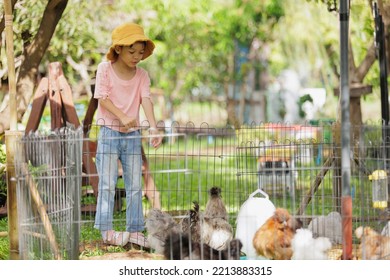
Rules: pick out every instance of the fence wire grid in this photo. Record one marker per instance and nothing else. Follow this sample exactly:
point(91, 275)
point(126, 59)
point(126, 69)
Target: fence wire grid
point(294, 167)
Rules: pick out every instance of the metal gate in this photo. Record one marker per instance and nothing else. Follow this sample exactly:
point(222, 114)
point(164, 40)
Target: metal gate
point(48, 169)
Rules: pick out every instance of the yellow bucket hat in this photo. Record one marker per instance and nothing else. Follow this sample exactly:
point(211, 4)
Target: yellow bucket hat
point(126, 35)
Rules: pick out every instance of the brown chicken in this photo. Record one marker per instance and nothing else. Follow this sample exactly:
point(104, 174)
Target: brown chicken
point(373, 246)
point(273, 239)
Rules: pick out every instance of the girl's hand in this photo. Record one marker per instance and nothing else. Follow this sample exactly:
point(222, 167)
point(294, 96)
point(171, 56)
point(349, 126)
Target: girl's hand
point(156, 138)
point(128, 123)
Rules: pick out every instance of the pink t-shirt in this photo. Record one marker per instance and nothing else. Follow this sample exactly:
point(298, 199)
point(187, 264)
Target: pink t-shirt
point(126, 95)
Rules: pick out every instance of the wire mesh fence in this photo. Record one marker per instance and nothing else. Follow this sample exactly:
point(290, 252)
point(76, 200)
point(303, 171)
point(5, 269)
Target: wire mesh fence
point(259, 167)
point(48, 194)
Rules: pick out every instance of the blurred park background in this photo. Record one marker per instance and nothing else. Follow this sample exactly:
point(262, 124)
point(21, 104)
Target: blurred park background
point(221, 61)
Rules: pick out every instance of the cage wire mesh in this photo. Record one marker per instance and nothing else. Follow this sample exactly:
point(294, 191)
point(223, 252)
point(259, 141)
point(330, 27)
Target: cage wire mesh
point(298, 167)
point(48, 194)
point(190, 161)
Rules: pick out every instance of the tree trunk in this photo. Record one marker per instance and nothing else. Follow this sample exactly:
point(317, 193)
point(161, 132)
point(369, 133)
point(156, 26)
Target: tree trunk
point(259, 56)
point(33, 54)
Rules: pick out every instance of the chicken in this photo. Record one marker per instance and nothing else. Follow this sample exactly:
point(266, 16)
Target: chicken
point(386, 230)
point(328, 226)
point(373, 246)
point(305, 247)
point(273, 239)
point(191, 224)
point(215, 228)
point(181, 247)
point(159, 226)
point(210, 227)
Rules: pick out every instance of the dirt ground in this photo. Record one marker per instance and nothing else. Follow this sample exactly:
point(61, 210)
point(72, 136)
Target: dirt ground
point(129, 252)
point(129, 255)
point(142, 255)
point(134, 252)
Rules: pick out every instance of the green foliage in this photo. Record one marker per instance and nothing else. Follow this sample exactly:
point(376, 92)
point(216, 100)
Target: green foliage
point(3, 155)
point(301, 101)
point(4, 241)
point(197, 40)
point(27, 18)
point(77, 35)
point(3, 181)
point(37, 171)
point(332, 5)
point(87, 253)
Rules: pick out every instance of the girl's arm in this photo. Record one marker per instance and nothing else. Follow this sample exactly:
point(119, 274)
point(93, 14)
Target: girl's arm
point(147, 105)
point(126, 121)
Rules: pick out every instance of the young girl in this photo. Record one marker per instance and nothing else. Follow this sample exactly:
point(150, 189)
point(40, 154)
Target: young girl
point(121, 88)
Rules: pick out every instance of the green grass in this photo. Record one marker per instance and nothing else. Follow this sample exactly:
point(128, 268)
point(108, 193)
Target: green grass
point(4, 241)
point(93, 252)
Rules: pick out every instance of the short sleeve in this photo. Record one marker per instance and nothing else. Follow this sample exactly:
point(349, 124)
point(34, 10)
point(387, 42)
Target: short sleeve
point(145, 85)
point(103, 84)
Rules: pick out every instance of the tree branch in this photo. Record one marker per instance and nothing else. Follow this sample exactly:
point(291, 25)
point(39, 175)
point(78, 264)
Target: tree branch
point(362, 70)
point(33, 54)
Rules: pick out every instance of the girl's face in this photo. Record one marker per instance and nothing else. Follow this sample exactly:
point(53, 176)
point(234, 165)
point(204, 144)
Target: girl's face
point(131, 55)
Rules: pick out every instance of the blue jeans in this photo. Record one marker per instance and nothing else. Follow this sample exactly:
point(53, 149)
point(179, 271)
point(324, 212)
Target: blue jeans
point(126, 147)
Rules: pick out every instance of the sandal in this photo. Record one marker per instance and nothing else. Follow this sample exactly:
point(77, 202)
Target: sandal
point(111, 237)
point(139, 239)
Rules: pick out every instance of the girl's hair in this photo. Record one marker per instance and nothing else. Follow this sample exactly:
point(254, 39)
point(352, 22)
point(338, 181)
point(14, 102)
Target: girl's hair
point(115, 54)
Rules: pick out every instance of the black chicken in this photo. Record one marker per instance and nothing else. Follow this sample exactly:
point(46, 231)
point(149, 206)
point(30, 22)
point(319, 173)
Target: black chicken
point(181, 247)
